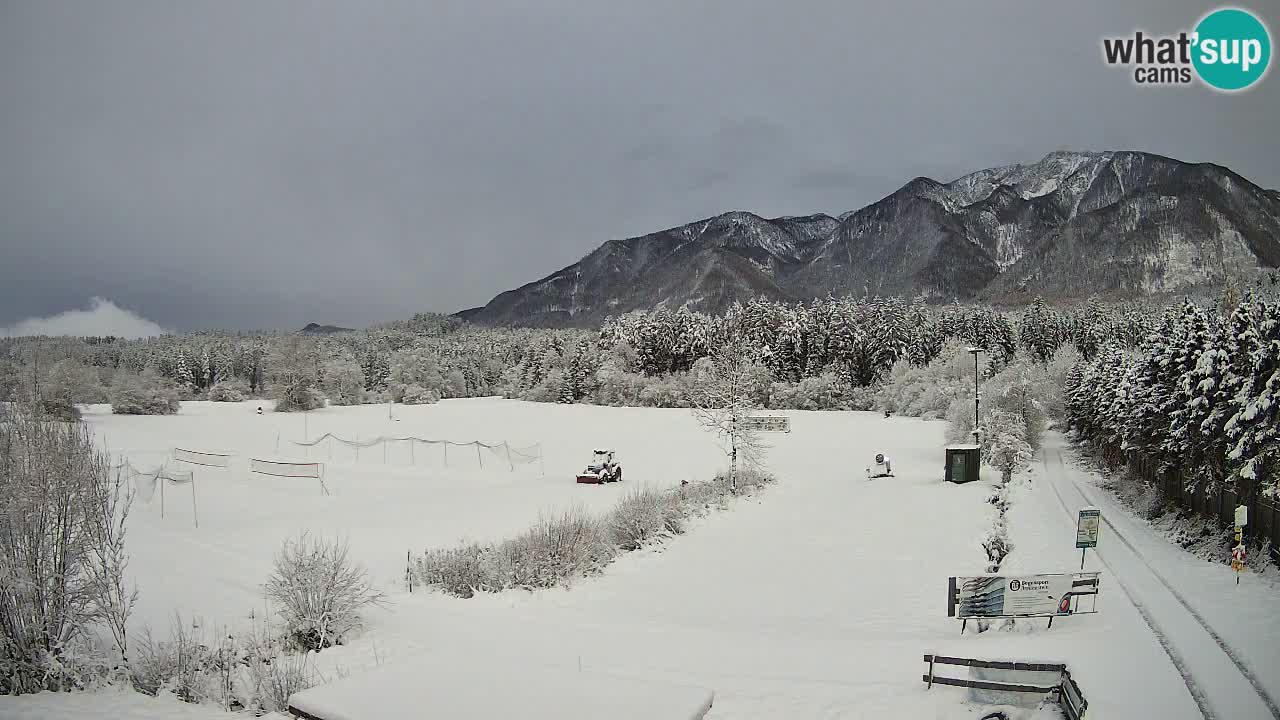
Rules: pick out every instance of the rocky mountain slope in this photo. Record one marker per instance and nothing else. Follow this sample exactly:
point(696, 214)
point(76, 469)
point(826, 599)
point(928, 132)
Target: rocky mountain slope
point(1118, 224)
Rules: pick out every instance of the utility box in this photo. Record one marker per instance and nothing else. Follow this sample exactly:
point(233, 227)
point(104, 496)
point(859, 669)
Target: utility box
point(963, 462)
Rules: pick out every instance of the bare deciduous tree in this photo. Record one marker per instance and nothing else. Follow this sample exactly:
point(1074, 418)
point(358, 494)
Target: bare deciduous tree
point(725, 387)
point(62, 556)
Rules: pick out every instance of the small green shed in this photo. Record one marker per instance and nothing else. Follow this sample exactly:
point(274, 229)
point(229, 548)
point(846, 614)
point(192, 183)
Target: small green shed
point(963, 462)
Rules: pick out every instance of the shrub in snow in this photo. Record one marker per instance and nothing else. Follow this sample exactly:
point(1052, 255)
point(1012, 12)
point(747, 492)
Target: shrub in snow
point(418, 395)
point(1014, 390)
point(62, 559)
point(1004, 444)
point(418, 373)
point(343, 382)
point(927, 391)
point(823, 392)
point(643, 515)
point(552, 552)
point(460, 571)
point(275, 679)
point(318, 591)
point(960, 419)
point(672, 391)
point(558, 549)
point(229, 391)
point(67, 383)
point(292, 368)
point(176, 666)
point(145, 394)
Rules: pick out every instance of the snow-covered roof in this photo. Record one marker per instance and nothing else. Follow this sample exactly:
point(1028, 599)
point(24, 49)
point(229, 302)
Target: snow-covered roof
point(444, 686)
point(963, 447)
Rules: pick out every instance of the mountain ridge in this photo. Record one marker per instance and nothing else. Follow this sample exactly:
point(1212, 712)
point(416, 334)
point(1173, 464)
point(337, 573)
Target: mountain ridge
point(1070, 225)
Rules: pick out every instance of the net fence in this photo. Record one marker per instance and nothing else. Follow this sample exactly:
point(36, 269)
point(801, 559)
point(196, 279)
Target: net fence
point(286, 469)
point(145, 482)
point(449, 451)
point(199, 457)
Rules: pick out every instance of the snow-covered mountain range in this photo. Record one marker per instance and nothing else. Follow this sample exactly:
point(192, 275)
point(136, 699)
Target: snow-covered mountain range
point(1118, 224)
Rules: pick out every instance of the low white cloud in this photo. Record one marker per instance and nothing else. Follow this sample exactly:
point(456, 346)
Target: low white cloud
point(102, 317)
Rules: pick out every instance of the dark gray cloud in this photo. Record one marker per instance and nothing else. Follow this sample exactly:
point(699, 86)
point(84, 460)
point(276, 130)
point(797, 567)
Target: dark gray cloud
point(260, 164)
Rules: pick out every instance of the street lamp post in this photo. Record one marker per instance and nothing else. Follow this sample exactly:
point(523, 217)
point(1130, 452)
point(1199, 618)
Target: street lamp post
point(975, 351)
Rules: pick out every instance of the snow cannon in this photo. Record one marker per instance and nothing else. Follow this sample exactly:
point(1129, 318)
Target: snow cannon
point(602, 469)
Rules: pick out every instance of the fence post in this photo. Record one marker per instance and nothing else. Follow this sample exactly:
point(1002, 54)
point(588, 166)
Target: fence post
point(478, 455)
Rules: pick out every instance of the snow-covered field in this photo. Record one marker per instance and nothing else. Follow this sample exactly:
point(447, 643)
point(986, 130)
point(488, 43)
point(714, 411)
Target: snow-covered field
point(383, 504)
point(815, 599)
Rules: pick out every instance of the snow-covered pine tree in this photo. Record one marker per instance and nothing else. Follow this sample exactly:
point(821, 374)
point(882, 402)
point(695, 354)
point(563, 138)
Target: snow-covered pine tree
point(1255, 427)
point(1040, 331)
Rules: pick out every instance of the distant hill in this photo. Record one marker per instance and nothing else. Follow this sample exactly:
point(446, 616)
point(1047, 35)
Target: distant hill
point(317, 329)
point(1074, 224)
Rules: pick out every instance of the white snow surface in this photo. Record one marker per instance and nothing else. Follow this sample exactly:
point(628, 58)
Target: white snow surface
point(441, 685)
point(121, 704)
point(815, 599)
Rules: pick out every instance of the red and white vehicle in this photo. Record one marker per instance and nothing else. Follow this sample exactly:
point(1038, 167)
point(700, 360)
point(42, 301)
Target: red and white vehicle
point(602, 469)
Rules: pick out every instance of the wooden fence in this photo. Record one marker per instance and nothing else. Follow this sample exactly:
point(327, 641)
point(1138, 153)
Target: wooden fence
point(1264, 516)
point(1065, 690)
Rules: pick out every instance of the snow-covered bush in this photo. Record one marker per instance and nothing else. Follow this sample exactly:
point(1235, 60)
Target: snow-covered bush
point(960, 419)
point(671, 391)
point(145, 394)
point(554, 551)
point(418, 395)
point(1016, 389)
point(176, 665)
point(67, 383)
point(460, 571)
point(642, 515)
point(1004, 443)
point(343, 382)
point(318, 591)
point(928, 391)
point(418, 373)
point(559, 549)
point(62, 527)
point(248, 671)
point(292, 368)
point(229, 391)
point(274, 679)
point(822, 392)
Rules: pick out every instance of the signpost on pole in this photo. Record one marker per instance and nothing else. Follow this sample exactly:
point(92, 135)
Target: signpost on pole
point(1087, 525)
point(768, 423)
point(1238, 553)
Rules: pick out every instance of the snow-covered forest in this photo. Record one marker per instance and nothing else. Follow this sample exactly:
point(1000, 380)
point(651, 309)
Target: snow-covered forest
point(1192, 386)
point(1199, 396)
point(818, 355)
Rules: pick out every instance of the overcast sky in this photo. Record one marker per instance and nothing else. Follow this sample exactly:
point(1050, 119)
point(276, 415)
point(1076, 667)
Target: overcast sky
point(266, 164)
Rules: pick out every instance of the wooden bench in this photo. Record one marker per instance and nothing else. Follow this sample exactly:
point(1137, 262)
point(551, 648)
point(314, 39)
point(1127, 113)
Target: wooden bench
point(1066, 691)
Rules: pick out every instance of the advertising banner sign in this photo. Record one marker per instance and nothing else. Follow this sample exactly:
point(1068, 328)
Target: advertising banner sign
point(996, 596)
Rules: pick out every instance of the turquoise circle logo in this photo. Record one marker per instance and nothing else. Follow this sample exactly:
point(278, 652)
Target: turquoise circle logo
point(1232, 49)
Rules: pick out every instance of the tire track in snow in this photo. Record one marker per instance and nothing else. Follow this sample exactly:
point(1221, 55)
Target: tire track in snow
point(1272, 706)
point(1175, 657)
